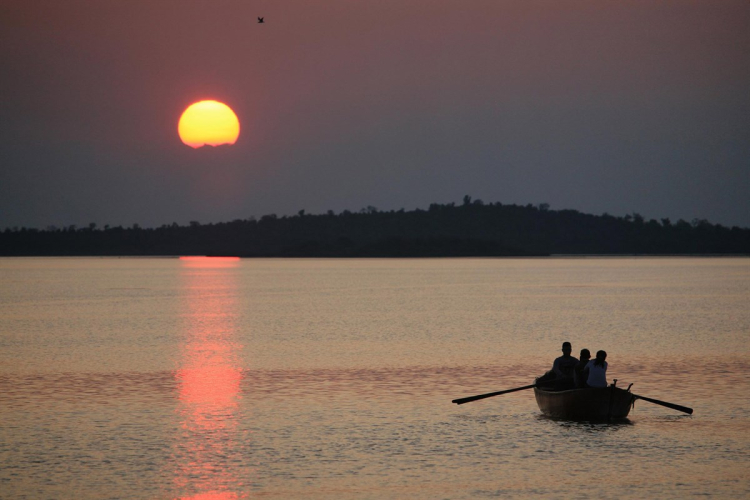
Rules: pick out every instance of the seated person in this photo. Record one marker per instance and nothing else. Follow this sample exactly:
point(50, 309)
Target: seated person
point(579, 372)
point(563, 368)
point(597, 369)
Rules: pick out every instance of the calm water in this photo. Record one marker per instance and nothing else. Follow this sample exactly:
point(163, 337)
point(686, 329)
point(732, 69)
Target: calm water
point(332, 379)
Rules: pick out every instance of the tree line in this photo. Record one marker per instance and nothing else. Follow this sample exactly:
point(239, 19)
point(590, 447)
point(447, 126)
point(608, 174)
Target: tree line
point(471, 228)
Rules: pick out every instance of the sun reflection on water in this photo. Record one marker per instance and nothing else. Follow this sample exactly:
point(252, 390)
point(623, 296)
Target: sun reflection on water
point(202, 261)
point(209, 382)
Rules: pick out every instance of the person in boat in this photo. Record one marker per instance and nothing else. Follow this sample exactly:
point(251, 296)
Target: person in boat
point(563, 368)
point(597, 369)
point(580, 376)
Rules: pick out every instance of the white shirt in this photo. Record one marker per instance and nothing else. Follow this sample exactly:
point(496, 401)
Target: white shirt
point(597, 374)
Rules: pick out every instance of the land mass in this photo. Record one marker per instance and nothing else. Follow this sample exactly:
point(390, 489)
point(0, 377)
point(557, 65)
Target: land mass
point(470, 229)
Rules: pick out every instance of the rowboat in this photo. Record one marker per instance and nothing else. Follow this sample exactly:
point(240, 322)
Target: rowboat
point(606, 403)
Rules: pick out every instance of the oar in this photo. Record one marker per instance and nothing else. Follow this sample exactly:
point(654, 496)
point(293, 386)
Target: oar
point(461, 401)
point(664, 403)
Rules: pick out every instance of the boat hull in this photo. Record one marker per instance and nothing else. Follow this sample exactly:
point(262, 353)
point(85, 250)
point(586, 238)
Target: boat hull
point(585, 404)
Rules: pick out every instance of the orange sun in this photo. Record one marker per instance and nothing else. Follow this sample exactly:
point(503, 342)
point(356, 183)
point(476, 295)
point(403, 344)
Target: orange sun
point(209, 123)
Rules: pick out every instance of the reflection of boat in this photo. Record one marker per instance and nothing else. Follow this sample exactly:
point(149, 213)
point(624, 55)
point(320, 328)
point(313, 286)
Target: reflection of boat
point(605, 403)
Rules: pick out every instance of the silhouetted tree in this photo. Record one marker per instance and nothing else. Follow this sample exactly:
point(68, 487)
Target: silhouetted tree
point(472, 229)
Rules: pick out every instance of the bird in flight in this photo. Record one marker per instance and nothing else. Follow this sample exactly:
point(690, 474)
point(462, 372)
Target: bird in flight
point(260, 20)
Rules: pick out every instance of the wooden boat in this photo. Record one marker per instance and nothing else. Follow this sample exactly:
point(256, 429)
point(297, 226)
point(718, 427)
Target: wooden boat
point(607, 403)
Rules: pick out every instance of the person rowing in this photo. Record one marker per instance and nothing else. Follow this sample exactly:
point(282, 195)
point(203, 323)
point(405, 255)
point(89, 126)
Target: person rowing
point(562, 370)
point(565, 364)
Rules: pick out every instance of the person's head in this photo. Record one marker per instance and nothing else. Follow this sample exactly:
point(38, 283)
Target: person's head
point(600, 357)
point(567, 348)
point(585, 354)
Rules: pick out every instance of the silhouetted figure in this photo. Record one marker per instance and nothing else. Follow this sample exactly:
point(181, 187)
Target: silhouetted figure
point(565, 364)
point(579, 372)
point(562, 371)
point(597, 369)
point(260, 20)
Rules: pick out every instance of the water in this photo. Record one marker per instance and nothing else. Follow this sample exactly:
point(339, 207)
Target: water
point(205, 379)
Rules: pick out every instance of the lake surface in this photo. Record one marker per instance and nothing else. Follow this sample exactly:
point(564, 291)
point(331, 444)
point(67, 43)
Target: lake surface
point(333, 379)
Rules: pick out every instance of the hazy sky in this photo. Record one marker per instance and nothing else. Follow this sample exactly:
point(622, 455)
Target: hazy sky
point(600, 106)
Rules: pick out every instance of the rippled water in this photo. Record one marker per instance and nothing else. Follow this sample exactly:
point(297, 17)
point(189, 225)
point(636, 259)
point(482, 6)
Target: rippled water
point(223, 379)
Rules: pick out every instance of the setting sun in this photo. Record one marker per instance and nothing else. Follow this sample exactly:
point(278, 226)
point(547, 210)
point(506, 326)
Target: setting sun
point(209, 123)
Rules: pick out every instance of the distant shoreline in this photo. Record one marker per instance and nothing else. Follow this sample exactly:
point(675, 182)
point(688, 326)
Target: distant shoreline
point(473, 229)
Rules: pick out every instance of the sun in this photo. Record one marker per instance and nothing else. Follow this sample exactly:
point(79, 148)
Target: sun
point(209, 123)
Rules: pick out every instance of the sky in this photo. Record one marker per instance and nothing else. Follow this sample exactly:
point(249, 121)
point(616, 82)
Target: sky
point(598, 106)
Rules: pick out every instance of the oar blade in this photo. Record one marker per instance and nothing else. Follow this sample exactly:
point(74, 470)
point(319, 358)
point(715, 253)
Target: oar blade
point(681, 408)
point(469, 399)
